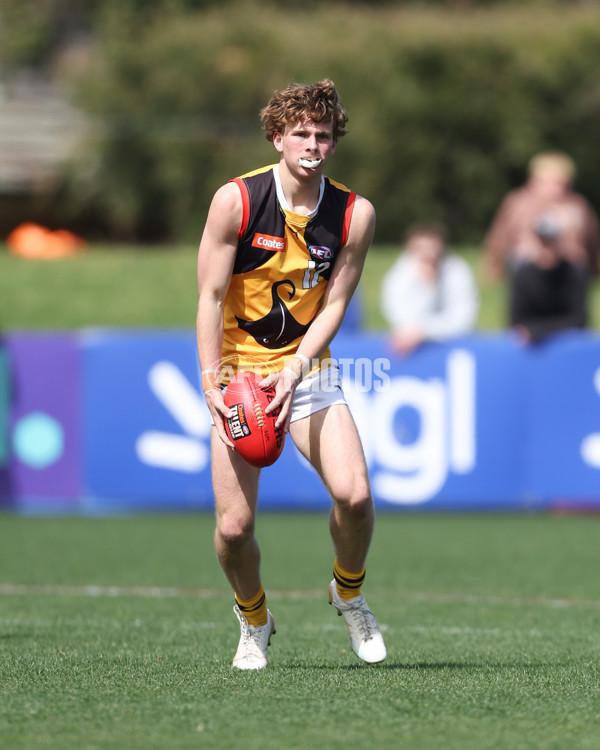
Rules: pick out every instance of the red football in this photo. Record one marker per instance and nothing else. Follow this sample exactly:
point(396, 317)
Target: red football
point(252, 431)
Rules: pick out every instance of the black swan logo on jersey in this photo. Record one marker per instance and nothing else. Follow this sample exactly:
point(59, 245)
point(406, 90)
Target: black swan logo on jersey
point(279, 327)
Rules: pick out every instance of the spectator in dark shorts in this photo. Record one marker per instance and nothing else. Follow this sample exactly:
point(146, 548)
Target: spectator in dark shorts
point(548, 293)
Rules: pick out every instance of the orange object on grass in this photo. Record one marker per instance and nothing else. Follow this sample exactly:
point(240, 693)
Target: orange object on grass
point(36, 242)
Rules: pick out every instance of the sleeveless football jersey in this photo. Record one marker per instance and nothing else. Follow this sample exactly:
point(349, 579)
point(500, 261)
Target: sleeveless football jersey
point(281, 269)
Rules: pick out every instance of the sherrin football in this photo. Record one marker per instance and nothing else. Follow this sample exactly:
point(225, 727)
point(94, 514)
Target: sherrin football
point(253, 432)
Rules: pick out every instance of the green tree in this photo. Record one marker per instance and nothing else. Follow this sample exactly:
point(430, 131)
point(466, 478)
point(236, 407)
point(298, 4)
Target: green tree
point(447, 101)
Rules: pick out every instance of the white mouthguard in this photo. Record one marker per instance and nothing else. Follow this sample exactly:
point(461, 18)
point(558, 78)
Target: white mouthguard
point(310, 163)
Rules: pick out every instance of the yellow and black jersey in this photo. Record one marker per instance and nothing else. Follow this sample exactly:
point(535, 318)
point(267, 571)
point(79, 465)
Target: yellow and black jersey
point(281, 269)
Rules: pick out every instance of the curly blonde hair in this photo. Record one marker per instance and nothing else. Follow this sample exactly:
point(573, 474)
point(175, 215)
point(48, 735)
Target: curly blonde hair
point(297, 102)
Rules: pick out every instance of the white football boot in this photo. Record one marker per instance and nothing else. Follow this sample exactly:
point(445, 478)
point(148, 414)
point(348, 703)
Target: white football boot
point(252, 649)
point(365, 636)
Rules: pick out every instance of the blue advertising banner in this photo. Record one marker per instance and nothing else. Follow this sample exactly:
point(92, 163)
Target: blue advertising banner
point(563, 446)
point(480, 423)
point(442, 429)
point(147, 426)
point(103, 421)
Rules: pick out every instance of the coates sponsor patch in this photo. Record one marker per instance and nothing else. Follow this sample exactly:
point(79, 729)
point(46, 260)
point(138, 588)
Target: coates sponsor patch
point(238, 424)
point(268, 242)
point(321, 252)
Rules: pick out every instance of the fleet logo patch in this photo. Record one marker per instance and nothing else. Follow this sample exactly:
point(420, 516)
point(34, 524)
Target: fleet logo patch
point(238, 424)
point(321, 252)
point(268, 242)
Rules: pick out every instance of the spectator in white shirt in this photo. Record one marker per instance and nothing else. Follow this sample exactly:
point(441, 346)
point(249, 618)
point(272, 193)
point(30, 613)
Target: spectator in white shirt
point(428, 294)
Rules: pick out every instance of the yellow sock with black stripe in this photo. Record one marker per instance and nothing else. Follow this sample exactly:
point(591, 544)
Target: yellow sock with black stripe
point(254, 609)
point(348, 584)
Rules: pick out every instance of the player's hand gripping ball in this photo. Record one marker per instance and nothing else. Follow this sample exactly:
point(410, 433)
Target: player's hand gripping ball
point(253, 432)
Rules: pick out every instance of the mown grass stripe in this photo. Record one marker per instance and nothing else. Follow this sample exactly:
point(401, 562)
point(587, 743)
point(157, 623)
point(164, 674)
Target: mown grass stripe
point(162, 592)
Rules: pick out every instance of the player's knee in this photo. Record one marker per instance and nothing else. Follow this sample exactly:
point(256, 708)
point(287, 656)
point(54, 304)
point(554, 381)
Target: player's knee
point(235, 532)
point(355, 499)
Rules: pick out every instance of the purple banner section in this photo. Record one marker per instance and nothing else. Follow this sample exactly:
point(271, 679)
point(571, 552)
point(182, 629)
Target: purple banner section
point(44, 421)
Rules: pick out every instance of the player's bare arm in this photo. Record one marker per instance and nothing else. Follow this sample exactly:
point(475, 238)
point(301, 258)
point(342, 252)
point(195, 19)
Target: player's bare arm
point(340, 288)
point(216, 257)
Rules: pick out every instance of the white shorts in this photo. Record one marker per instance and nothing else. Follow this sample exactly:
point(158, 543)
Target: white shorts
point(316, 392)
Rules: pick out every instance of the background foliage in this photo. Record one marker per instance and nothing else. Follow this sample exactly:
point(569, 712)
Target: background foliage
point(447, 100)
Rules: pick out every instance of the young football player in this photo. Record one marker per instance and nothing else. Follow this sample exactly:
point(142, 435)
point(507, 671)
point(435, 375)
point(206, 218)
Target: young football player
point(280, 258)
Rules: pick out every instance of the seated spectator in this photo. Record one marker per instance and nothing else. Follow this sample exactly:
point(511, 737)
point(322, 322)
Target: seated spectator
point(428, 294)
point(547, 195)
point(548, 294)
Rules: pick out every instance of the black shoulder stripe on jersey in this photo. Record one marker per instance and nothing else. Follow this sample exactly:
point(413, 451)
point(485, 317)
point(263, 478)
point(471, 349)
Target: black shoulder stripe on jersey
point(264, 217)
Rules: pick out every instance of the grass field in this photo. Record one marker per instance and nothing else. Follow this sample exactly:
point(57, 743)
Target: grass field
point(156, 287)
point(118, 633)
